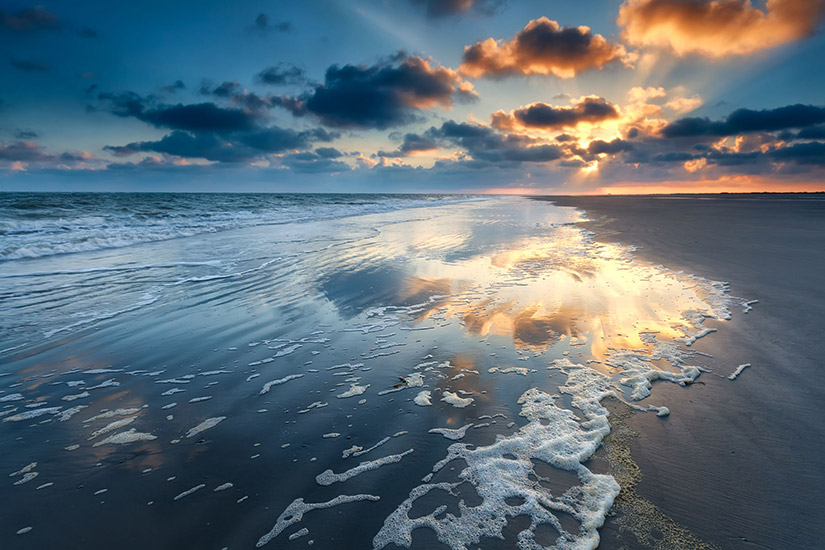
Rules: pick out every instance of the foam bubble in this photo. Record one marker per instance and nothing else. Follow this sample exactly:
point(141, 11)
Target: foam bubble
point(296, 510)
point(205, 425)
point(190, 491)
point(354, 390)
point(126, 437)
point(298, 534)
point(454, 435)
point(116, 425)
point(278, 382)
point(328, 477)
point(504, 469)
point(456, 401)
point(423, 398)
point(738, 371)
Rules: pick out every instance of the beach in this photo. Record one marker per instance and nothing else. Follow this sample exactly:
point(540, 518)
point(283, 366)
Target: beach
point(736, 460)
point(408, 371)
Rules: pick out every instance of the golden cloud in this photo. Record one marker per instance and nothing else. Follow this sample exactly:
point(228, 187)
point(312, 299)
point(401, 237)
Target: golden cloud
point(544, 48)
point(717, 28)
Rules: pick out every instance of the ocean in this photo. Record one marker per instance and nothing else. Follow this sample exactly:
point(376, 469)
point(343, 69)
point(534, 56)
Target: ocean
point(347, 371)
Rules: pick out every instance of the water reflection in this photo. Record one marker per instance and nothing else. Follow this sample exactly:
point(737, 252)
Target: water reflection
point(550, 287)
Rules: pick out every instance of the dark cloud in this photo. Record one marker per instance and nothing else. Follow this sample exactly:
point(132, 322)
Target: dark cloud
point(387, 94)
point(599, 147)
point(29, 66)
point(282, 74)
point(22, 151)
point(26, 134)
point(413, 143)
point(802, 153)
point(225, 89)
point(308, 162)
point(226, 147)
point(29, 20)
point(200, 117)
point(276, 140)
point(446, 8)
point(542, 47)
point(485, 144)
point(548, 117)
point(176, 86)
point(263, 24)
point(329, 152)
point(744, 121)
point(815, 132)
point(718, 28)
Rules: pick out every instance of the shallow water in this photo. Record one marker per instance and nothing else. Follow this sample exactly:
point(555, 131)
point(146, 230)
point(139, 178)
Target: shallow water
point(293, 362)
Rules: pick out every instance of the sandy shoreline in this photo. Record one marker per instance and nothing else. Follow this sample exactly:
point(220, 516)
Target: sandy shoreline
point(737, 462)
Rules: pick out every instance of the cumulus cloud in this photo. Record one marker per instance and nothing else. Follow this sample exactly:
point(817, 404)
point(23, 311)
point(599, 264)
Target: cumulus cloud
point(281, 74)
point(484, 143)
point(542, 47)
point(29, 20)
point(446, 8)
point(241, 147)
point(309, 162)
point(547, 117)
point(744, 121)
point(386, 94)
point(264, 24)
point(208, 130)
point(411, 145)
point(19, 155)
point(25, 151)
point(718, 28)
point(199, 117)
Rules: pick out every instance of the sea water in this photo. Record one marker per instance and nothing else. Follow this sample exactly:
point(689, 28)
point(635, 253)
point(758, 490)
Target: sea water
point(233, 371)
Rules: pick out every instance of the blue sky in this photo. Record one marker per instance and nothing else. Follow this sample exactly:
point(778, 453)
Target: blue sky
point(413, 95)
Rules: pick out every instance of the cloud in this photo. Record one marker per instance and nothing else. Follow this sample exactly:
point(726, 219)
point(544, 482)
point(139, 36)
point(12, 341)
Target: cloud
point(386, 94)
point(25, 151)
point(309, 162)
point(18, 155)
point(240, 147)
point(281, 74)
point(598, 147)
point(29, 20)
point(26, 134)
point(225, 89)
point(802, 153)
point(174, 87)
point(263, 24)
point(815, 132)
point(718, 28)
point(412, 144)
point(746, 120)
point(446, 8)
point(543, 48)
point(29, 66)
point(485, 144)
point(547, 117)
point(200, 117)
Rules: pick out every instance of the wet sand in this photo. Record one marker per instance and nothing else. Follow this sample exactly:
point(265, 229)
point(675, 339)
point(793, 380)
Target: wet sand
point(738, 463)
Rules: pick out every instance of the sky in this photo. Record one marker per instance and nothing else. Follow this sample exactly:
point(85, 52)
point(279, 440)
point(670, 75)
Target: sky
point(501, 96)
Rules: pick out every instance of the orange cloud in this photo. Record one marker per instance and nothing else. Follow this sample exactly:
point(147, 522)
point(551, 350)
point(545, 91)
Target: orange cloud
point(717, 28)
point(542, 47)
